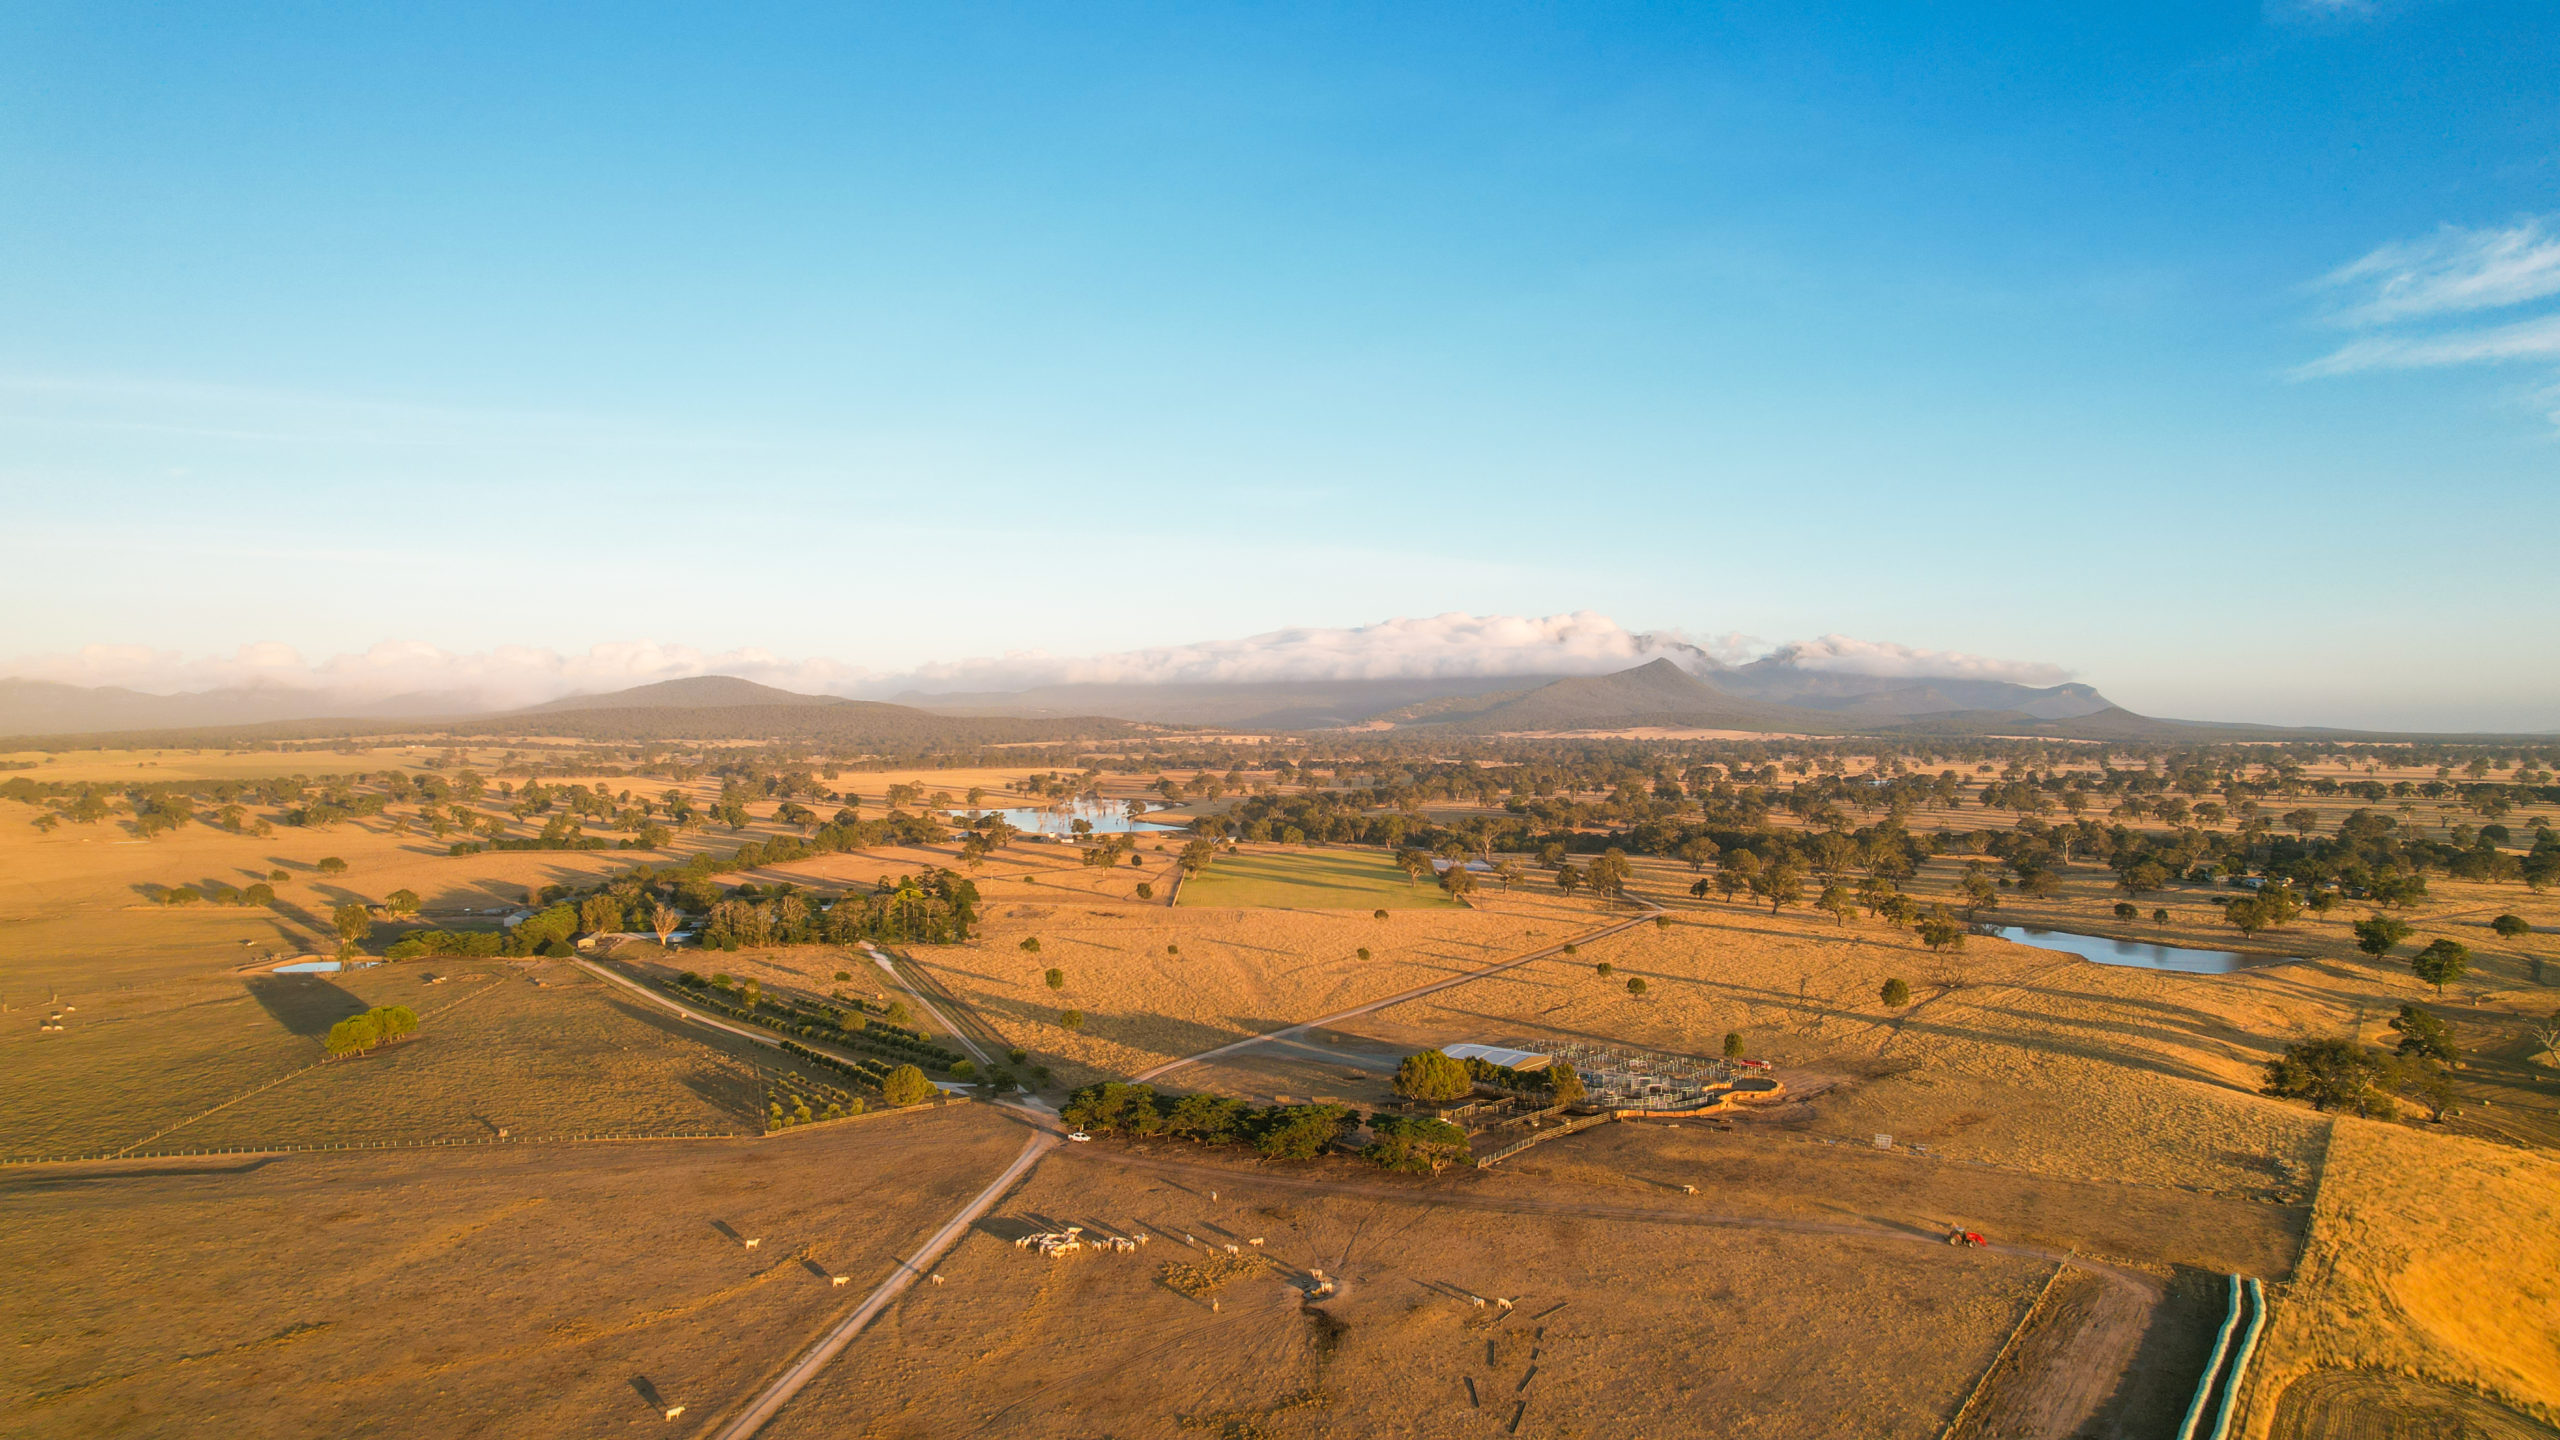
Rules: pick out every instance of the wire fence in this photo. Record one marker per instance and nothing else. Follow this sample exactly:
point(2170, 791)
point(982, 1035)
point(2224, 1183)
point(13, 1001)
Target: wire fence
point(457, 1141)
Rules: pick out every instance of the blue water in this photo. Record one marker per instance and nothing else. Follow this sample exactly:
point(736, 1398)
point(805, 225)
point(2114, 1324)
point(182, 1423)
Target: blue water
point(307, 967)
point(2140, 954)
point(1108, 817)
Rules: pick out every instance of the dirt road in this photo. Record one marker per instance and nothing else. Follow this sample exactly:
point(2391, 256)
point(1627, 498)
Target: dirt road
point(791, 1381)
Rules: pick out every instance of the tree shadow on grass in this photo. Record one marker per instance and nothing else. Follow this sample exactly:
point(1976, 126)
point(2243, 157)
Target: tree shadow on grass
point(305, 1005)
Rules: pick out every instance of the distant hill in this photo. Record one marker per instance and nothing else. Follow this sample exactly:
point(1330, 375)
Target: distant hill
point(710, 707)
point(42, 707)
point(724, 707)
point(1263, 705)
point(1656, 694)
point(1771, 694)
point(1781, 681)
point(695, 692)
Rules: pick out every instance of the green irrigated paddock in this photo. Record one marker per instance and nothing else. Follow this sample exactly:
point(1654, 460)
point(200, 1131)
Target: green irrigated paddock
point(1311, 880)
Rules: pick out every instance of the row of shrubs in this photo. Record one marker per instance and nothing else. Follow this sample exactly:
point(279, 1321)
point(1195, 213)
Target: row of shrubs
point(871, 1034)
point(843, 1012)
point(794, 1100)
point(844, 1007)
point(1281, 1132)
point(899, 1085)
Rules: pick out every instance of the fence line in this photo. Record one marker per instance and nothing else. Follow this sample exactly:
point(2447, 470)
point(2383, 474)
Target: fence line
point(373, 1145)
point(1983, 1384)
point(451, 1141)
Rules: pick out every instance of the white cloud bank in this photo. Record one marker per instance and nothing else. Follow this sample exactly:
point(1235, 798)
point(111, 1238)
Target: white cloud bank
point(1450, 645)
point(1841, 655)
point(1582, 643)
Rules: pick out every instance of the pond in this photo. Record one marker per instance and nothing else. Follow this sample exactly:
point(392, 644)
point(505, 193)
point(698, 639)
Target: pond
point(308, 967)
point(2140, 954)
point(1107, 817)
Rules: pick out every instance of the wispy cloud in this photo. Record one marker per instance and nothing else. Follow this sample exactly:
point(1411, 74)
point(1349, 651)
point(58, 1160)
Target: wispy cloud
point(2450, 272)
point(2421, 301)
point(2537, 339)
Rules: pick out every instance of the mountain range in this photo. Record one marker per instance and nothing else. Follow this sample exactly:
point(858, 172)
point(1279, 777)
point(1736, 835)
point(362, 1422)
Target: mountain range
point(1693, 692)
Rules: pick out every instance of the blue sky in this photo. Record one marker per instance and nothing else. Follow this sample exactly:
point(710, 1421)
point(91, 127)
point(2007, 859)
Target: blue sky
point(2204, 351)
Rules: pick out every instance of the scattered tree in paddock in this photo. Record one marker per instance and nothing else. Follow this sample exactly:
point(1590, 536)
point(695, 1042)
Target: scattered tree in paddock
point(1896, 993)
point(2333, 1075)
point(354, 923)
point(2441, 963)
point(906, 1085)
point(2424, 1036)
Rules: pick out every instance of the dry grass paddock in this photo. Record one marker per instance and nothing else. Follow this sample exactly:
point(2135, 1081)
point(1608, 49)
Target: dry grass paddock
point(536, 1049)
point(2060, 1104)
point(1155, 984)
point(501, 1290)
point(2433, 1259)
point(1620, 1327)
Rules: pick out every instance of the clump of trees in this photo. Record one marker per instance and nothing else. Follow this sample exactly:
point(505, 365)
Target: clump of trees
point(1432, 1076)
point(2339, 1074)
point(378, 1026)
point(2268, 909)
point(2334, 1075)
point(1280, 1132)
point(1415, 1144)
point(471, 943)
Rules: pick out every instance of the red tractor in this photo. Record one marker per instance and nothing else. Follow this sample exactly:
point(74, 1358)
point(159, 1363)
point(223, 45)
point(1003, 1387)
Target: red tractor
point(1970, 1239)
